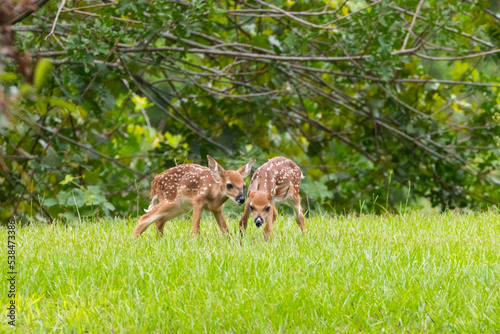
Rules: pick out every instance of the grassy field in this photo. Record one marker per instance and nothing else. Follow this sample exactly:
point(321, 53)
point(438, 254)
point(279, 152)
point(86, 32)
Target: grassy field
point(408, 273)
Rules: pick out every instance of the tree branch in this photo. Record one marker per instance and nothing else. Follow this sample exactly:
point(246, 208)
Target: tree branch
point(411, 25)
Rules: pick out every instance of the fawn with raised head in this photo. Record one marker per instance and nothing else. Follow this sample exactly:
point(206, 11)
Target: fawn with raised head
point(277, 180)
point(191, 187)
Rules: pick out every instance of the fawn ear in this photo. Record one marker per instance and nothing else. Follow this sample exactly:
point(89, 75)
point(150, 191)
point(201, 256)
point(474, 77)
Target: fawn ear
point(245, 170)
point(215, 167)
point(281, 191)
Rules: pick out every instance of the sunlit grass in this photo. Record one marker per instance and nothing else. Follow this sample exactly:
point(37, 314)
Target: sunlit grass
point(408, 273)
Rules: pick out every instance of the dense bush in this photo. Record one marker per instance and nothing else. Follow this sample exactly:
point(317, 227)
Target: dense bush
point(374, 99)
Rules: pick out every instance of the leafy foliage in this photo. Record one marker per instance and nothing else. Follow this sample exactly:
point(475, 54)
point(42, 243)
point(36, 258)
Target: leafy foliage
point(369, 97)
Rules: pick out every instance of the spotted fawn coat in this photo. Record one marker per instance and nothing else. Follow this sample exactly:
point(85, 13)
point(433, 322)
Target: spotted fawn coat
point(191, 187)
point(277, 180)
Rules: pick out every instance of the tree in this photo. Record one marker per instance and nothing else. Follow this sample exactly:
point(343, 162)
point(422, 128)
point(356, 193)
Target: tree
point(369, 97)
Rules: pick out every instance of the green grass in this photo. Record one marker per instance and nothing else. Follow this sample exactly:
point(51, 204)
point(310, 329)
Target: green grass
point(408, 273)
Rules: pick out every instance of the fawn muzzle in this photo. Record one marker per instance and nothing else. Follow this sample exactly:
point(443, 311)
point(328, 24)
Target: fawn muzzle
point(258, 221)
point(240, 199)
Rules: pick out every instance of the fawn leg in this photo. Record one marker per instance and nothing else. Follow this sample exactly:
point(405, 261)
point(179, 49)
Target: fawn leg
point(160, 224)
point(275, 213)
point(219, 217)
point(297, 210)
point(244, 218)
point(268, 229)
point(197, 209)
point(158, 212)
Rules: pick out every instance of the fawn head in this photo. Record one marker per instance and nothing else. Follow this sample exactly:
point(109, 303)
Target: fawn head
point(231, 182)
point(260, 207)
point(261, 204)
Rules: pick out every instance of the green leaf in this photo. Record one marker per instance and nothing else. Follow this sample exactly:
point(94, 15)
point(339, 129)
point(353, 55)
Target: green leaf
point(50, 202)
point(67, 179)
point(65, 105)
point(8, 77)
point(64, 197)
point(96, 190)
point(109, 206)
point(42, 72)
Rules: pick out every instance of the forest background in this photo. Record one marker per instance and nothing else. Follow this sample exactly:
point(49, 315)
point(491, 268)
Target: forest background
point(384, 104)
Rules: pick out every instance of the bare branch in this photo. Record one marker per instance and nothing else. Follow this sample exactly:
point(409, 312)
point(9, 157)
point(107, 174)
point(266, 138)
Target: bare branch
point(326, 26)
point(111, 17)
point(63, 2)
point(270, 12)
point(245, 55)
point(402, 10)
point(410, 80)
point(474, 55)
point(91, 6)
point(411, 25)
point(298, 19)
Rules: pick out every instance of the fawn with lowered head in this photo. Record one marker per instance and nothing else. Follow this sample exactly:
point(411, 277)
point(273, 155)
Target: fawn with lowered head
point(191, 187)
point(277, 180)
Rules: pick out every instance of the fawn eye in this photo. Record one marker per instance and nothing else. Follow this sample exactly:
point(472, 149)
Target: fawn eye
point(229, 186)
point(251, 207)
point(268, 208)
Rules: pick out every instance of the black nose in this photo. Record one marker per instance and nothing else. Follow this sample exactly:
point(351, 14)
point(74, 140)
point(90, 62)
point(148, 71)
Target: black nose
point(258, 222)
point(240, 199)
